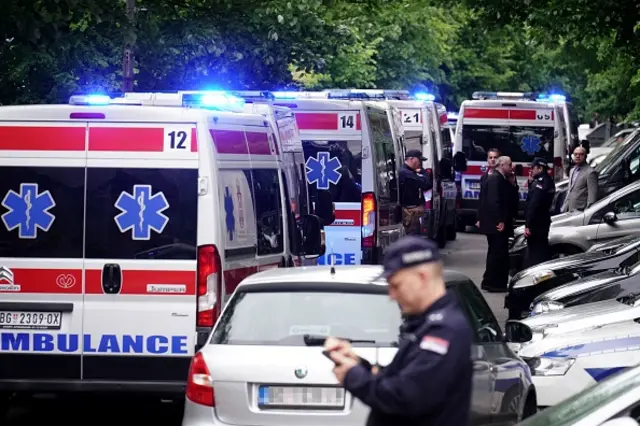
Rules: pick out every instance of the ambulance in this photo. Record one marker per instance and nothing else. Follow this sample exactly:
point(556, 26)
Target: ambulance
point(424, 129)
point(352, 142)
point(123, 230)
point(518, 124)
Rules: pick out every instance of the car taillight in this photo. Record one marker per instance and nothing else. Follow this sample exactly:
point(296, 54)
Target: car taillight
point(209, 286)
point(369, 209)
point(200, 382)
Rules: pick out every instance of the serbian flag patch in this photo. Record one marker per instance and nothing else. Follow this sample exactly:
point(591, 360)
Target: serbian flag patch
point(435, 344)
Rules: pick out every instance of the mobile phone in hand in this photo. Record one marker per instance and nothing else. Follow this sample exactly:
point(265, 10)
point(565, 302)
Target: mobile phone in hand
point(327, 354)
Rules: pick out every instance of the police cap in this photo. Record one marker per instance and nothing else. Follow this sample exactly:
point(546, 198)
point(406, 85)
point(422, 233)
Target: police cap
point(415, 153)
point(540, 162)
point(408, 252)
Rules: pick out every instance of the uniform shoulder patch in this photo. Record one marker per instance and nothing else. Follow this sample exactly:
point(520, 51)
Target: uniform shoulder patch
point(435, 344)
point(435, 317)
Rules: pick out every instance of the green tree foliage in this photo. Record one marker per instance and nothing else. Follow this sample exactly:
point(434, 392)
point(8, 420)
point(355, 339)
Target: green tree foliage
point(52, 48)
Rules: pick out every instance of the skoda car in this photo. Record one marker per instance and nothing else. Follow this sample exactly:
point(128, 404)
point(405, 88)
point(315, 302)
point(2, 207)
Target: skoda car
point(567, 363)
point(528, 284)
point(615, 216)
point(263, 364)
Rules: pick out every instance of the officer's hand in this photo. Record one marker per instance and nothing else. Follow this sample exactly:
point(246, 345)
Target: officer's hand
point(343, 365)
point(500, 227)
point(527, 232)
point(333, 344)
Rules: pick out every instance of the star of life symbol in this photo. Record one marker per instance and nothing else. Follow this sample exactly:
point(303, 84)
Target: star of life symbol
point(28, 211)
point(530, 144)
point(323, 170)
point(141, 212)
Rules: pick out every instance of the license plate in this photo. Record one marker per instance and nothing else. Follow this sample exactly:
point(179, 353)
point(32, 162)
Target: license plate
point(300, 397)
point(30, 320)
point(474, 185)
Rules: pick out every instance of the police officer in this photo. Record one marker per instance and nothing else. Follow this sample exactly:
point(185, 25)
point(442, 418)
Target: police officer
point(413, 183)
point(428, 382)
point(537, 214)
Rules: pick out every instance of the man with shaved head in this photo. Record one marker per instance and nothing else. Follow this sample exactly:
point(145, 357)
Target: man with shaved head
point(583, 183)
point(498, 208)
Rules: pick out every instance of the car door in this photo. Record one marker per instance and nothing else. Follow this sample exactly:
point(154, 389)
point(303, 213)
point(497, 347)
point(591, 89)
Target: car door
point(507, 371)
point(626, 220)
point(436, 191)
point(483, 369)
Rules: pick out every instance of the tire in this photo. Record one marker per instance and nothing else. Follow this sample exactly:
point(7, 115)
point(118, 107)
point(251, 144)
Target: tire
point(512, 401)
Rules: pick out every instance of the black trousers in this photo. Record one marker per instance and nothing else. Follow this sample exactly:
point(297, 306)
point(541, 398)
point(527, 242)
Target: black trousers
point(537, 247)
point(496, 274)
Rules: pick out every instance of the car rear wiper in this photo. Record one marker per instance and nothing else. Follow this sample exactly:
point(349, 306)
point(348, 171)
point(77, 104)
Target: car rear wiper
point(311, 340)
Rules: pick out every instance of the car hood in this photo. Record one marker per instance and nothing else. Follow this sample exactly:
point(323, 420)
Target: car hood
point(575, 218)
point(614, 244)
point(580, 286)
point(581, 317)
point(575, 343)
point(576, 261)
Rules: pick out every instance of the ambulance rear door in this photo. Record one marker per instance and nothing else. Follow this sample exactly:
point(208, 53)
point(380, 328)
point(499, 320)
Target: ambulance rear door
point(42, 188)
point(140, 249)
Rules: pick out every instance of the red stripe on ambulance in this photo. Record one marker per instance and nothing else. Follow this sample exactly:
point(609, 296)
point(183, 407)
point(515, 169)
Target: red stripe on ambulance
point(132, 139)
point(194, 140)
point(477, 170)
point(258, 143)
point(138, 282)
point(486, 113)
point(58, 281)
point(229, 141)
point(504, 114)
point(322, 121)
point(354, 216)
point(22, 138)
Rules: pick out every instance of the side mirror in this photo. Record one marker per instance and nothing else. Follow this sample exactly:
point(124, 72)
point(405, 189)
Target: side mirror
point(446, 171)
point(460, 162)
point(325, 208)
point(310, 227)
point(517, 332)
point(609, 218)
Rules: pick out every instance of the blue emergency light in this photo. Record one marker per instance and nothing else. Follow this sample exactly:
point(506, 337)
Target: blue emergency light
point(217, 99)
point(504, 95)
point(423, 96)
point(89, 100)
point(553, 97)
point(286, 95)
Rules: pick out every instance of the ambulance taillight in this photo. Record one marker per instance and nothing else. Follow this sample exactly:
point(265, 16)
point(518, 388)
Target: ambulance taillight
point(369, 220)
point(200, 382)
point(209, 286)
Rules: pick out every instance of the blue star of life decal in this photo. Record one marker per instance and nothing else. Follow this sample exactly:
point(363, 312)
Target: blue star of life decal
point(230, 219)
point(530, 144)
point(323, 170)
point(28, 211)
point(141, 212)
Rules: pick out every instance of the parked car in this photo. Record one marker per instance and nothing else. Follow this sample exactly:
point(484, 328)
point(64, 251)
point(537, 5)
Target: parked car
point(615, 216)
point(564, 364)
point(258, 350)
point(615, 284)
point(528, 284)
point(619, 168)
point(613, 402)
point(598, 152)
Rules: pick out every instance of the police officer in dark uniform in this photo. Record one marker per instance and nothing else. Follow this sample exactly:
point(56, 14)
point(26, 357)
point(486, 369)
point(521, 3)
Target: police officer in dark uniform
point(413, 182)
point(538, 212)
point(428, 382)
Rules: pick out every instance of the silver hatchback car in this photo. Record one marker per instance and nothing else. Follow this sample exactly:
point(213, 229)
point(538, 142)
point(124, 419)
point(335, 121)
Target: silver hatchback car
point(263, 364)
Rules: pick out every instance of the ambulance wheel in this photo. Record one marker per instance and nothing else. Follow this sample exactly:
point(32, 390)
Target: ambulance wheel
point(441, 238)
point(452, 232)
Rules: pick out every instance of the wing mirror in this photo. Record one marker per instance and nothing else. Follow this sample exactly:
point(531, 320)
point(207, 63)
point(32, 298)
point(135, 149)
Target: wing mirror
point(446, 171)
point(610, 218)
point(310, 231)
point(517, 332)
point(460, 162)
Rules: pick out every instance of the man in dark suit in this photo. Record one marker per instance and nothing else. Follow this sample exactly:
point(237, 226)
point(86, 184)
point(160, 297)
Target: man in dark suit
point(498, 208)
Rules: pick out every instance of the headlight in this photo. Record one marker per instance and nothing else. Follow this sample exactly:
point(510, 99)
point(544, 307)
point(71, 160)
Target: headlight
point(543, 366)
point(534, 279)
point(546, 306)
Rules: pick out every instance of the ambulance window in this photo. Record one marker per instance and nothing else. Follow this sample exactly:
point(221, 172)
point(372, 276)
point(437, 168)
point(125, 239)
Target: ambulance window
point(141, 213)
point(521, 143)
point(447, 148)
point(42, 210)
point(347, 170)
point(385, 155)
point(266, 191)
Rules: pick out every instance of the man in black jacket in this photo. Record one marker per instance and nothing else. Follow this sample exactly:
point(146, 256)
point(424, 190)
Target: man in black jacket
point(537, 213)
point(413, 183)
point(498, 208)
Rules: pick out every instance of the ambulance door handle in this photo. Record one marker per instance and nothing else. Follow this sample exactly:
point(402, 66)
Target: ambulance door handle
point(111, 278)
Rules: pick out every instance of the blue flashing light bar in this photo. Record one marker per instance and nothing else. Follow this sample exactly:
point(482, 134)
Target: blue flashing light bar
point(213, 99)
point(89, 100)
point(553, 97)
point(422, 96)
point(504, 95)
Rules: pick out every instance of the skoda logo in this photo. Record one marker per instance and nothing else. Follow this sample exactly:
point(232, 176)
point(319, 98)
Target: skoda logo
point(300, 372)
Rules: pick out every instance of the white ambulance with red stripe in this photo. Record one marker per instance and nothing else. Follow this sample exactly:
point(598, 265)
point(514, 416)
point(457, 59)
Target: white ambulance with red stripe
point(518, 125)
point(123, 229)
point(353, 148)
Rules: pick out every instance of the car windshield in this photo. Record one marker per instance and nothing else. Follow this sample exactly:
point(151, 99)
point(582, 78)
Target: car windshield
point(605, 166)
point(590, 400)
point(521, 143)
point(611, 142)
point(284, 317)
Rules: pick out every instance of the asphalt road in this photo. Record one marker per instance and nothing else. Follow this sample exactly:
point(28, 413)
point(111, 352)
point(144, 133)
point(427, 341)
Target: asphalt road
point(466, 254)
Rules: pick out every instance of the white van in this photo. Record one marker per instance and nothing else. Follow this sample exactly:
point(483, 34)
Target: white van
point(353, 150)
point(124, 228)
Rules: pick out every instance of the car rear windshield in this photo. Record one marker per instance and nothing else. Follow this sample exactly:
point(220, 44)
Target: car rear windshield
point(283, 318)
point(521, 143)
